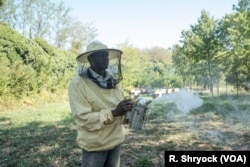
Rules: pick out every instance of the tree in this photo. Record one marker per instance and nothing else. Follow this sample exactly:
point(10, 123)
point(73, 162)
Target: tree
point(1, 2)
point(158, 54)
point(8, 13)
point(235, 35)
point(80, 36)
point(242, 6)
point(47, 20)
point(62, 26)
point(30, 17)
point(132, 66)
point(182, 65)
point(202, 48)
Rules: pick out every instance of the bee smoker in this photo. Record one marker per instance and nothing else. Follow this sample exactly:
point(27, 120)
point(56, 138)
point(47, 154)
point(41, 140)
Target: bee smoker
point(136, 117)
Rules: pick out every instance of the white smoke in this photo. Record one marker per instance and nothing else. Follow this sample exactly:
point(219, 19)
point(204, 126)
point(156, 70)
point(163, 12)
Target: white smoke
point(185, 100)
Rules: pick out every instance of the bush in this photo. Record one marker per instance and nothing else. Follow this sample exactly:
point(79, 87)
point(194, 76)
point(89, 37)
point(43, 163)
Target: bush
point(30, 66)
point(160, 110)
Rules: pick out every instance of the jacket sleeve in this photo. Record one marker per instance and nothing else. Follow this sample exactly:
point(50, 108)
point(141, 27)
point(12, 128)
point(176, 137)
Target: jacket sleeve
point(82, 110)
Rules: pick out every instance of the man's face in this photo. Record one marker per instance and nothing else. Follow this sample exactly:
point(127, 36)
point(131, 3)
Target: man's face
point(100, 60)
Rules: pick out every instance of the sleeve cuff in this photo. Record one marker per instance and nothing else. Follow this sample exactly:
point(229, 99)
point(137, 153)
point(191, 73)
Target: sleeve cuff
point(110, 115)
point(107, 116)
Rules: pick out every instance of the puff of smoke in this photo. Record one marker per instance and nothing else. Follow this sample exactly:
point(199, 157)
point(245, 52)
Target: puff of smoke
point(185, 100)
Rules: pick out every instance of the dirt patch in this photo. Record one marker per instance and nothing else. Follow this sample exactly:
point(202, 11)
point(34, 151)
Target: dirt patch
point(206, 131)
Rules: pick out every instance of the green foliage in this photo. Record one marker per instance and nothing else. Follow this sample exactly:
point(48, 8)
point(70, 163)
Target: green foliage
point(45, 46)
point(213, 50)
point(143, 162)
point(19, 76)
point(235, 34)
point(58, 66)
point(147, 68)
point(14, 45)
point(50, 20)
point(31, 66)
point(1, 2)
point(197, 58)
point(160, 110)
point(206, 107)
point(223, 105)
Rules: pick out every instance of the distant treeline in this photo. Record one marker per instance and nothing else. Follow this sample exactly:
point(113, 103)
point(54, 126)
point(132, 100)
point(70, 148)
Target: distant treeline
point(31, 66)
point(216, 51)
point(211, 53)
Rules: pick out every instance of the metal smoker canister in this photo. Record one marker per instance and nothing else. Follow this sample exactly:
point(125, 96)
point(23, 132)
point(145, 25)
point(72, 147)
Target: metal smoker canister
point(136, 116)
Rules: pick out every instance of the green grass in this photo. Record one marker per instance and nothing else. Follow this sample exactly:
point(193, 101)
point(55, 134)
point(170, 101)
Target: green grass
point(39, 136)
point(44, 135)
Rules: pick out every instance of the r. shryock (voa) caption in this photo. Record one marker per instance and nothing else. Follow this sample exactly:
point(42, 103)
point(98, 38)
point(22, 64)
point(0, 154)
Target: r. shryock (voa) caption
point(208, 158)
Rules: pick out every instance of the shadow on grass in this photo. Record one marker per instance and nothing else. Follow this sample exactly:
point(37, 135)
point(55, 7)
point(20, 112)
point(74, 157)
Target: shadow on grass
point(216, 125)
point(53, 145)
point(41, 145)
point(151, 142)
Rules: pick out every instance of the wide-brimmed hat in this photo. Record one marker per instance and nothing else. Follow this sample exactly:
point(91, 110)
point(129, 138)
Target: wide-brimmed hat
point(97, 46)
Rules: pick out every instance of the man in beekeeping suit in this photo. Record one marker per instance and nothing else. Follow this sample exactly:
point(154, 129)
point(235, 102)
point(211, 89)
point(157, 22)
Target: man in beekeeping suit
point(98, 105)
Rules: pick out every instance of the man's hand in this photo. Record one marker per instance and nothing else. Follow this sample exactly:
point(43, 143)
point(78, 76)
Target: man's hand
point(123, 107)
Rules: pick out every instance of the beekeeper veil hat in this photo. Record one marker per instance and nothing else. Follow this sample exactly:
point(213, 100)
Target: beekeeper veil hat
point(114, 68)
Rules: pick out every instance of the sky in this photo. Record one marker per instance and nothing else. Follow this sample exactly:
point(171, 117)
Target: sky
point(144, 23)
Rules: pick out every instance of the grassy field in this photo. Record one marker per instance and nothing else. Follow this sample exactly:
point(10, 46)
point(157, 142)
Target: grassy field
point(44, 135)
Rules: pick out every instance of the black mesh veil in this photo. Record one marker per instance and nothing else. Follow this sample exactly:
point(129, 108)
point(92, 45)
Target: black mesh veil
point(114, 68)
